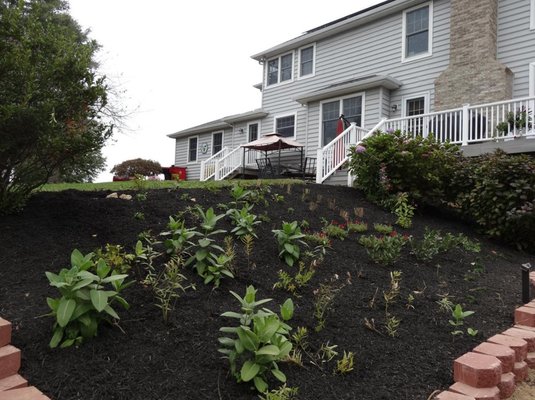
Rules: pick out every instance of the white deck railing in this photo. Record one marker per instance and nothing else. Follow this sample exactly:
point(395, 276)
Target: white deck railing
point(208, 166)
point(503, 120)
point(335, 153)
point(229, 163)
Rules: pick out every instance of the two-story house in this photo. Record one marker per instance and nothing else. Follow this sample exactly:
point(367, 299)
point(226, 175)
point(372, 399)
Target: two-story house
point(455, 68)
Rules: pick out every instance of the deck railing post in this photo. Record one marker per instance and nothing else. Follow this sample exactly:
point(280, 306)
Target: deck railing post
point(353, 133)
point(320, 166)
point(466, 124)
point(216, 176)
point(203, 166)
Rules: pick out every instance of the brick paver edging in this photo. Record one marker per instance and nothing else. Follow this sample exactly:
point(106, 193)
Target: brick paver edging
point(489, 372)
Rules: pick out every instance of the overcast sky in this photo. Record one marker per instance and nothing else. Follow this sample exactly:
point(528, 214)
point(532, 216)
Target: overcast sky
point(183, 63)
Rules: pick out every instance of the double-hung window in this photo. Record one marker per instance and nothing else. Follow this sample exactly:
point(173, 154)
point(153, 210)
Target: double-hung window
point(306, 61)
point(412, 107)
point(350, 107)
point(417, 32)
point(217, 142)
point(280, 69)
point(285, 125)
point(192, 148)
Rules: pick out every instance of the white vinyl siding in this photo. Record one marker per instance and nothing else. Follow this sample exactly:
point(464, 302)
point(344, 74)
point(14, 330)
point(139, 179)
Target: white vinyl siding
point(417, 31)
point(516, 42)
point(307, 61)
point(532, 15)
point(532, 79)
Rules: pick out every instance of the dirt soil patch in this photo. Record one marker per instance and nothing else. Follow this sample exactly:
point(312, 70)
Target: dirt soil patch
point(148, 359)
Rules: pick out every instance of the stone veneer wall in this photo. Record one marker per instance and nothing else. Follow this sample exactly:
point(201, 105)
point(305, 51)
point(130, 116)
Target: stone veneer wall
point(474, 75)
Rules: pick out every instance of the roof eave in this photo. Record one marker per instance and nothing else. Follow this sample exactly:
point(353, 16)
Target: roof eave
point(335, 28)
point(373, 82)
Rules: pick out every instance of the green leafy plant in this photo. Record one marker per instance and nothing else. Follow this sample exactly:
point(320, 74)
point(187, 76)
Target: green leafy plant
point(209, 259)
point(288, 239)
point(335, 230)
point(116, 258)
point(259, 342)
point(240, 195)
point(88, 290)
point(140, 216)
point(168, 286)
point(178, 236)
point(384, 250)
point(324, 298)
point(282, 393)
point(392, 293)
point(403, 210)
point(392, 324)
point(434, 243)
point(458, 316)
point(445, 304)
point(244, 221)
point(357, 227)
point(345, 364)
point(383, 228)
point(299, 280)
point(278, 198)
point(248, 246)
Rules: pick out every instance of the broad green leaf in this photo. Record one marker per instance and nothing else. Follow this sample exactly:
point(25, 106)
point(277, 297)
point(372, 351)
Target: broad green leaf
point(270, 328)
point(113, 278)
point(289, 247)
point(89, 330)
point(269, 350)
point(77, 258)
point(260, 384)
point(227, 329)
point(288, 259)
point(239, 347)
point(231, 314)
point(227, 273)
point(111, 312)
point(99, 299)
point(56, 337)
point(67, 343)
point(53, 278)
point(65, 309)
point(87, 275)
point(225, 341)
point(287, 309)
point(285, 349)
point(52, 303)
point(248, 339)
point(82, 284)
point(80, 310)
point(103, 269)
point(204, 242)
point(277, 373)
point(83, 294)
point(122, 302)
point(249, 370)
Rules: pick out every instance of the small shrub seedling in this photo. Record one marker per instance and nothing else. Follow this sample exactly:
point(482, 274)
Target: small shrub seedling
point(259, 342)
point(357, 227)
point(458, 319)
point(403, 210)
point(244, 221)
point(384, 250)
point(88, 291)
point(288, 239)
point(383, 228)
point(345, 364)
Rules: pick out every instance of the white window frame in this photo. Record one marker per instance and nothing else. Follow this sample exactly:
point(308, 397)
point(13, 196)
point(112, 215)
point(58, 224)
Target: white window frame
point(313, 73)
point(340, 99)
point(279, 116)
point(532, 15)
point(531, 80)
point(222, 139)
point(196, 150)
point(430, 33)
point(405, 99)
point(279, 59)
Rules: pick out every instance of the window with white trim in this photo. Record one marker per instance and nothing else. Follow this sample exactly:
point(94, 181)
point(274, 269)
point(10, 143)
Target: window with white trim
point(280, 69)
point(192, 148)
point(417, 32)
point(306, 61)
point(217, 142)
point(285, 125)
point(253, 131)
point(350, 107)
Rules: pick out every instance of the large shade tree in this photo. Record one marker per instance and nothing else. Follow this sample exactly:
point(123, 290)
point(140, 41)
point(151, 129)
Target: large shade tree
point(52, 100)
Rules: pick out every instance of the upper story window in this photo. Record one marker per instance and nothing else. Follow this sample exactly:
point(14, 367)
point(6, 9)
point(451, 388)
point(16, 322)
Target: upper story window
point(217, 142)
point(280, 69)
point(192, 149)
point(417, 32)
point(306, 61)
point(285, 125)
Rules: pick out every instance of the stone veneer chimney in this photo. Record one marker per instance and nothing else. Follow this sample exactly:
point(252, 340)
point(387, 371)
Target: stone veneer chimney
point(474, 74)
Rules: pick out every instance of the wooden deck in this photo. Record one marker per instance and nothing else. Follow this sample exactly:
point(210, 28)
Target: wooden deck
point(518, 145)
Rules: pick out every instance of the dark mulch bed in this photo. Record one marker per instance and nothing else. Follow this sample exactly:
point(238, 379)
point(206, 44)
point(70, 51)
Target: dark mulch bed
point(147, 359)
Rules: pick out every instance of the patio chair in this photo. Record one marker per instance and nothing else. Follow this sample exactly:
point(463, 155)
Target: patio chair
point(309, 169)
point(265, 169)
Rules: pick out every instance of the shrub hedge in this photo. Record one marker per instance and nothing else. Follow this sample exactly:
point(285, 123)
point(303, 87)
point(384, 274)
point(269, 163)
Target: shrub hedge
point(496, 191)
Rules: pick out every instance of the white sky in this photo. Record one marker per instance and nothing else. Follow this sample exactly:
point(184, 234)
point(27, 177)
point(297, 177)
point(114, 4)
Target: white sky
point(182, 63)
